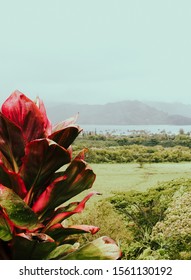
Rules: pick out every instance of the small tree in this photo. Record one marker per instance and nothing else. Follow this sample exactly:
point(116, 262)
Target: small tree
point(33, 191)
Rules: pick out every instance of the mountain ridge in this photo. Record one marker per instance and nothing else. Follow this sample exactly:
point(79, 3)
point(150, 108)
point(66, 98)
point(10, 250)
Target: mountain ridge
point(127, 112)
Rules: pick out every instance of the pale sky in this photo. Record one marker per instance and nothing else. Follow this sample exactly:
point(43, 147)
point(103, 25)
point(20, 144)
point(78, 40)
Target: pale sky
point(100, 51)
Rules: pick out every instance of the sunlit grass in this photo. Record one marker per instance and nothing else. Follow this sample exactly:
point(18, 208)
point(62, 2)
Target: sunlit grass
point(115, 177)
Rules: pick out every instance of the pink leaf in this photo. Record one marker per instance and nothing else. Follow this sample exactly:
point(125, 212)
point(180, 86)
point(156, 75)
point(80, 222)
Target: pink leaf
point(65, 123)
point(47, 123)
point(25, 114)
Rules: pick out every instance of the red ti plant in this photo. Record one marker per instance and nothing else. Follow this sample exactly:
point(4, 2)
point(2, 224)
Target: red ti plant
point(33, 190)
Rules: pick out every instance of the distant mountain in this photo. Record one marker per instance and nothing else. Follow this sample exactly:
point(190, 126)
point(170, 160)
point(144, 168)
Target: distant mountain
point(175, 108)
point(122, 113)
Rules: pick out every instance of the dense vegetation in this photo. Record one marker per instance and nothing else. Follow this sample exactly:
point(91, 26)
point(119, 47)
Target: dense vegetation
point(159, 221)
point(152, 225)
point(140, 148)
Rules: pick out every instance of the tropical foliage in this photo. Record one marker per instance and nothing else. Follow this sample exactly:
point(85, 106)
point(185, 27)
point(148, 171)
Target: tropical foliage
point(33, 190)
point(159, 220)
point(153, 224)
point(143, 148)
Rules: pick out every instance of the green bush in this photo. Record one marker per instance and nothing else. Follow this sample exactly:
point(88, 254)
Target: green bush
point(175, 229)
point(159, 220)
point(104, 215)
point(135, 153)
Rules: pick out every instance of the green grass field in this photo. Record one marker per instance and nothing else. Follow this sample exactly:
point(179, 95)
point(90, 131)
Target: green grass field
point(115, 177)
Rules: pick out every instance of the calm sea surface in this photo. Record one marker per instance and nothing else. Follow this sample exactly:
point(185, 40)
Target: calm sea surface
point(129, 129)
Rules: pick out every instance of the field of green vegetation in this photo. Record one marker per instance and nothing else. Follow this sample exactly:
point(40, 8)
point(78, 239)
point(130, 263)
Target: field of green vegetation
point(124, 177)
point(144, 206)
point(141, 148)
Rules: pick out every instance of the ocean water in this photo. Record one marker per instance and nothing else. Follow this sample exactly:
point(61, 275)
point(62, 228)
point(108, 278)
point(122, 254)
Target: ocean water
point(136, 129)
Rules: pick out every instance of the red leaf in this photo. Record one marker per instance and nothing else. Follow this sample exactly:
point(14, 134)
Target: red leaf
point(48, 125)
point(42, 158)
point(73, 208)
point(85, 228)
point(11, 142)
point(65, 136)
point(59, 233)
point(32, 236)
point(5, 162)
point(77, 177)
point(81, 154)
point(12, 180)
point(24, 113)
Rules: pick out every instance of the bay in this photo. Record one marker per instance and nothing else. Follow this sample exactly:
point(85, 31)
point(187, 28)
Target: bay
point(135, 129)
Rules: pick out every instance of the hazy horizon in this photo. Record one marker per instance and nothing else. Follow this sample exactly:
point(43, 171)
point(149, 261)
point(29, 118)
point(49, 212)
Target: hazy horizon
point(50, 104)
point(96, 52)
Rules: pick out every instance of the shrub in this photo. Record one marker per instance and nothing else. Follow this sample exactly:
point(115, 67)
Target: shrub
point(175, 230)
point(33, 191)
point(159, 220)
point(108, 219)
